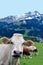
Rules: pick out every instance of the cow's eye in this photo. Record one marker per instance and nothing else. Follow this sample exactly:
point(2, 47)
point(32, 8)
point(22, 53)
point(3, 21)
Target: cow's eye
point(11, 42)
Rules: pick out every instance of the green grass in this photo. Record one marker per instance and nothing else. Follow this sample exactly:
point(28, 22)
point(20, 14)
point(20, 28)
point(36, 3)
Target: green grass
point(0, 42)
point(36, 60)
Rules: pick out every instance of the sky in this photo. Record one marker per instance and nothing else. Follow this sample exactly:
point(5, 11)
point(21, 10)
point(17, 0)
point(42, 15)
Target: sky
point(18, 7)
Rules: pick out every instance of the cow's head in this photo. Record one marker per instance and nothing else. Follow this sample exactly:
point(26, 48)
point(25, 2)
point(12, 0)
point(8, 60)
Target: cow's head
point(17, 40)
point(17, 44)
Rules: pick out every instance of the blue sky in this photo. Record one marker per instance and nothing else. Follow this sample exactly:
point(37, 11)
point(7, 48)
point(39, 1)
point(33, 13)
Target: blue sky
point(16, 7)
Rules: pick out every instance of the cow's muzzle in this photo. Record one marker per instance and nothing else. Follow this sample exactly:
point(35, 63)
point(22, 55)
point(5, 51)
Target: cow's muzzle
point(17, 54)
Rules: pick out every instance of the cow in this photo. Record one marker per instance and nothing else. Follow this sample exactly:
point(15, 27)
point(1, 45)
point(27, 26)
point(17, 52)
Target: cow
point(30, 45)
point(11, 49)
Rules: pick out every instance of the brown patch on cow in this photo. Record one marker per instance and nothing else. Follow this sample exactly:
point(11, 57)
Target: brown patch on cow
point(5, 40)
point(26, 51)
point(28, 43)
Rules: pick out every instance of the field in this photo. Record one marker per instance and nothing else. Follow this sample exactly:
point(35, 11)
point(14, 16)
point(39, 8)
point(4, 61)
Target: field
point(36, 60)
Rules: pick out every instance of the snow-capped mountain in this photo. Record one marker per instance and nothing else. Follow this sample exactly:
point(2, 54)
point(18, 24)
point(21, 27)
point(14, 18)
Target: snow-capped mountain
point(29, 24)
point(29, 15)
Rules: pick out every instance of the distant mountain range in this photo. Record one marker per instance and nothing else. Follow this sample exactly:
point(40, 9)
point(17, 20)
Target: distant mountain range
point(29, 24)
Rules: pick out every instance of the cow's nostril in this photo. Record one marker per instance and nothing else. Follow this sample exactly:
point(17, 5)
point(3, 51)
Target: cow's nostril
point(17, 52)
point(14, 51)
point(20, 52)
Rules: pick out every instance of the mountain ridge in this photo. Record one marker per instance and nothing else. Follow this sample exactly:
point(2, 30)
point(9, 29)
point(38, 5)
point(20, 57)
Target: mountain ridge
point(30, 22)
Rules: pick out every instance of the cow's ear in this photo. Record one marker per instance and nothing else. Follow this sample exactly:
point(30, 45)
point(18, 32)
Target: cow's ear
point(5, 40)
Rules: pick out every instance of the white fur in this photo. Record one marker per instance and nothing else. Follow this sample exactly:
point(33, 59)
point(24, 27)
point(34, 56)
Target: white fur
point(17, 40)
point(4, 54)
point(30, 47)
